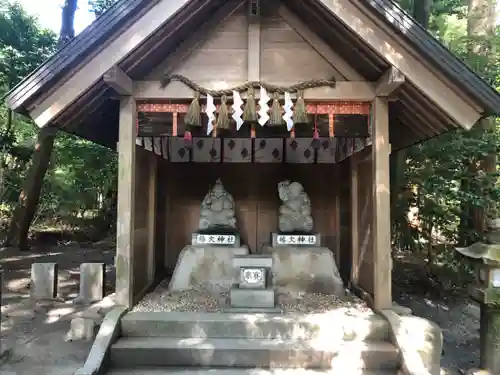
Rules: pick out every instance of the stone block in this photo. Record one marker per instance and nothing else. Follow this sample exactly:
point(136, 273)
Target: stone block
point(301, 240)
point(419, 340)
point(305, 269)
point(43, 281)
point(253, 260)
point(210, 267)
point(81, 329)
point(91, 282)
point(252, 298)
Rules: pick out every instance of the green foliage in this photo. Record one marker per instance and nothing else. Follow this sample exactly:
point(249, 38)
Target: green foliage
point(444, 182)
point(99, 6)
point(82, 176)
point(23, 44)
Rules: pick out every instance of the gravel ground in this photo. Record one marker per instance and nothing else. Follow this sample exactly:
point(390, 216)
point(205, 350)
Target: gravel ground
point(198, 300)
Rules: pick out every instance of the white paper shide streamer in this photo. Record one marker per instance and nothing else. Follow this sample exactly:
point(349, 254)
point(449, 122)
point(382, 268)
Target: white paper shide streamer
point(288, 111)
point(264, 108)
point(237, 111)
point(210, 111)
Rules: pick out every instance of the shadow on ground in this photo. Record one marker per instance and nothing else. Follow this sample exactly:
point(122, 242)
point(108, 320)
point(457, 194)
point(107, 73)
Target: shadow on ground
point(32, 336)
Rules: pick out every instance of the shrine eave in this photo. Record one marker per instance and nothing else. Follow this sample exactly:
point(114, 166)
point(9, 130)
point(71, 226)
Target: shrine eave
point(416, 115)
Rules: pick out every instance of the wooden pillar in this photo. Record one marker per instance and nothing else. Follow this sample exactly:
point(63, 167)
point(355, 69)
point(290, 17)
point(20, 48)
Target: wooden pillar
point(381, 228)
point(126, 202)
point(354, 220)
point(153, 178)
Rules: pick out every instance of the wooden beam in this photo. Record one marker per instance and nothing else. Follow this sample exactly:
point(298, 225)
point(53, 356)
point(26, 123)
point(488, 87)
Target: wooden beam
point(118, 80)
point(353, 17)
point(126, 202)
point(197, 39)
point(381, 225)
point(117, 49)
point(253, 49)
point(344, 90)
point(389, 82)
point(354, 220)
point(423, 115)
point(153, 179)
point(323, 49)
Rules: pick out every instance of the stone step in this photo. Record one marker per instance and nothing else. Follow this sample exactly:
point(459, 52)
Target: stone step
point(237, 371)
point(332, 326)
point(130, 352)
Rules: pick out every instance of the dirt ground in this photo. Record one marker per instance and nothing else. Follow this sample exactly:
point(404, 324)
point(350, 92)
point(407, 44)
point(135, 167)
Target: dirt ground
point(32, 336)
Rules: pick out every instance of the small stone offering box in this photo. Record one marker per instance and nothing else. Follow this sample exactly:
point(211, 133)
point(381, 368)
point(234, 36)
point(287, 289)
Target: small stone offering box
point(291, 239)
point(253, 290)
point(215, 239)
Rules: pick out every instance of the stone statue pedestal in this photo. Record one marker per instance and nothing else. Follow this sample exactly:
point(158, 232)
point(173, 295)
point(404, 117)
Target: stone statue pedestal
point(296, 239)
point(307, 269)
point(208, 267)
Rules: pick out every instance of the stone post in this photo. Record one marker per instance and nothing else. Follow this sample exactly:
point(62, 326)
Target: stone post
point(1, 304)
point(486, 291)
point(490, 338)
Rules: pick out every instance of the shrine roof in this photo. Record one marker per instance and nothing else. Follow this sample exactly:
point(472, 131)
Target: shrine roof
point(191, 13)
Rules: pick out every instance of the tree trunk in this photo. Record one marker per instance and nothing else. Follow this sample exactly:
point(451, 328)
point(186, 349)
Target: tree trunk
point(421, 12)
point(30, 194)
point(481, 22)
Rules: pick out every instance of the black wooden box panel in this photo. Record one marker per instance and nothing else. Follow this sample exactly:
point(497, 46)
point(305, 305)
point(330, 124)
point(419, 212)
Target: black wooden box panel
point(299, 150)
point(157, 145)
point(237, 150)
point(327, 152)
point(345, 148)
point(352, 126)
point(148, 143)
point(179, 153)
point(268, 150)
point(164, 147)
point(206, 150)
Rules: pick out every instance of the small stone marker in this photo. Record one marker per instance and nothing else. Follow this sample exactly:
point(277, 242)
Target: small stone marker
point(91, 282)
point(43, 281)
point(81, 329)
point(253, 290)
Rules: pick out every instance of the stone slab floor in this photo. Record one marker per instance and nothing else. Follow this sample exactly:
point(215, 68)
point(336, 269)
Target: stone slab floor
point(34, 335)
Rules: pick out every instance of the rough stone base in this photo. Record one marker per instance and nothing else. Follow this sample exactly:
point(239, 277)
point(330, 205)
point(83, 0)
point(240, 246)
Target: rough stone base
point(305, 270)
point(210, 267)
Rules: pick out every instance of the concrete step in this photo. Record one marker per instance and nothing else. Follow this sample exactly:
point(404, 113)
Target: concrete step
point(238, 371)
point(333, 326)
point(250, 353)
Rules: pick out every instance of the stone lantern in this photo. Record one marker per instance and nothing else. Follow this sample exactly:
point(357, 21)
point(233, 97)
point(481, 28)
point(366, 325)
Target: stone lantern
point(486, 291)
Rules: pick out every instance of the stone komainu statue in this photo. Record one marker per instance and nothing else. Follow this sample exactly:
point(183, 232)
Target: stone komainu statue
point(295, 212)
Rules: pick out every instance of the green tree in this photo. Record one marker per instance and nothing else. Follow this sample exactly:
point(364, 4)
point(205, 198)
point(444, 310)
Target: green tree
point(98, 7)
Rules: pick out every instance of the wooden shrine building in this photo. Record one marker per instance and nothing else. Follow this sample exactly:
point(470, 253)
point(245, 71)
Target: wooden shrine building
point(359, 79)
